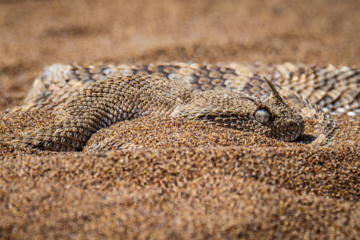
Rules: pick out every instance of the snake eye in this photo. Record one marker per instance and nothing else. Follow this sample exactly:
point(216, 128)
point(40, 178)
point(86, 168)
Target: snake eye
point(262, 116)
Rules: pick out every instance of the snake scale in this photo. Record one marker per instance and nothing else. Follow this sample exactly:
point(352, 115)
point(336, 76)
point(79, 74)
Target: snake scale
point(272, 100)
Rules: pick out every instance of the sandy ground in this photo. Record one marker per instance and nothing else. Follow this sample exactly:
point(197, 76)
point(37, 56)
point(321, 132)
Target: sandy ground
point(186, 189)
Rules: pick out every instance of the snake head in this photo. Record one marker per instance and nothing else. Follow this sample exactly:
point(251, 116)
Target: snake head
point(278, 120)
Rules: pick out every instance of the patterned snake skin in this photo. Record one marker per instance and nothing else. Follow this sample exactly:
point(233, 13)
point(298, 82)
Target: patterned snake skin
point(90, 97)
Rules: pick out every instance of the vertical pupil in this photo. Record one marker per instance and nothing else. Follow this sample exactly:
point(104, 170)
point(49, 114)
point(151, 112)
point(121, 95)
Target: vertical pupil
point(262, 116)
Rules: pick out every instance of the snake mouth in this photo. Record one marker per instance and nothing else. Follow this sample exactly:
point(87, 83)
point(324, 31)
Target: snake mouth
point(290, 137)
point(289, 131)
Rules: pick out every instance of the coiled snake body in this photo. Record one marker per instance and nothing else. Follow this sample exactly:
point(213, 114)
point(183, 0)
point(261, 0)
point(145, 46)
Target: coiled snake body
point(89, 97)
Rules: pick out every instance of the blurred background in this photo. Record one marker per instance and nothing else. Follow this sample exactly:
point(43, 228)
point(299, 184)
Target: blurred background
point(38, 33)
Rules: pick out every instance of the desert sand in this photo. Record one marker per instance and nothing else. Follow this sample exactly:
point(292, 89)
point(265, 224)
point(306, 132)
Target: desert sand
point(174, 178)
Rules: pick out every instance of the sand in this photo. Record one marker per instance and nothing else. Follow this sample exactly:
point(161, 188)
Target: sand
point(156, 178)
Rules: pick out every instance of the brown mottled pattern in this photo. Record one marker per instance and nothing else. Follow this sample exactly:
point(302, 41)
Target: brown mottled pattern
point(122, 98)
point(334, 89)
point(104, 104)
point(327, 88)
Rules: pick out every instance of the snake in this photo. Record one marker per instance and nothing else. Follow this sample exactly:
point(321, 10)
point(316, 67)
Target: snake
point(272, 100)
